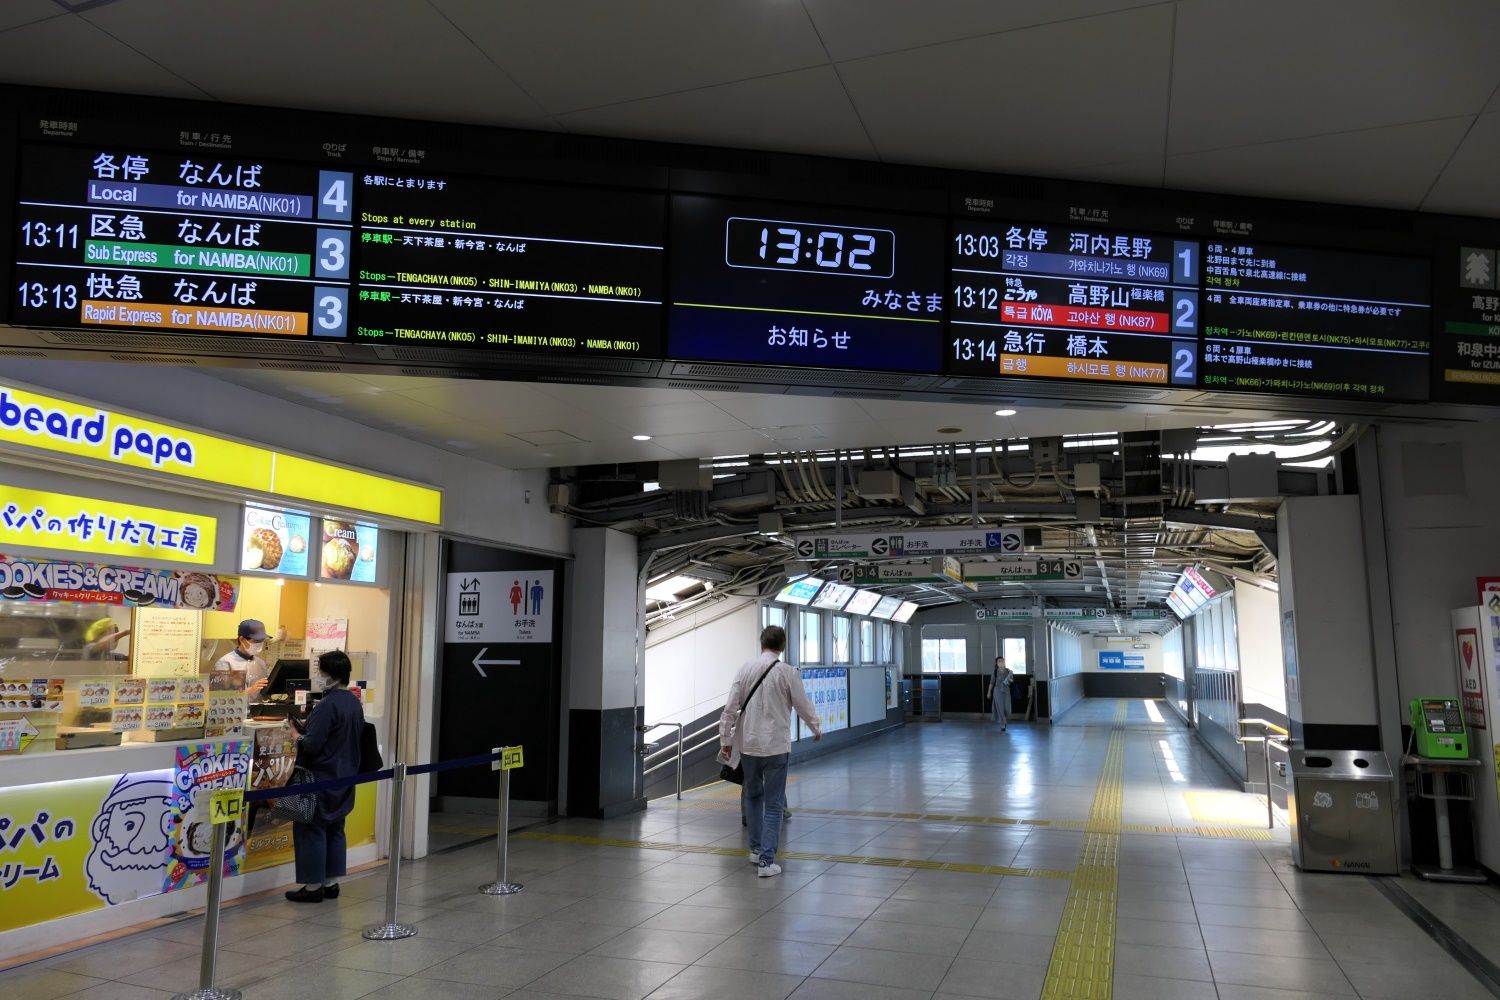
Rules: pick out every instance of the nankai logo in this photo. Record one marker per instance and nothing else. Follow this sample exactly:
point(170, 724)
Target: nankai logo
point(1351, 866)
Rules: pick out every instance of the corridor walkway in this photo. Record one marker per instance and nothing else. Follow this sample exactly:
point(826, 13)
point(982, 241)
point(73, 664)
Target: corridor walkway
point(1104, 857)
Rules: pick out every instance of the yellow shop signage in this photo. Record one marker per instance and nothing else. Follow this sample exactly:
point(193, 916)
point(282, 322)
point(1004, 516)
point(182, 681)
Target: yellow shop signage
point(44, 520)
point(82, 430)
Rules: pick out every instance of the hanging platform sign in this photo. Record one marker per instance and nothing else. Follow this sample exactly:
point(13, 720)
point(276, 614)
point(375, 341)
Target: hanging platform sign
point(1054, 570)
point(908, 544)
point(1005, 614)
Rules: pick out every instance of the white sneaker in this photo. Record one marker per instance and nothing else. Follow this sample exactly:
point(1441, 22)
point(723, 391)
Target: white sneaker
point(767, 871)
point(754, 858)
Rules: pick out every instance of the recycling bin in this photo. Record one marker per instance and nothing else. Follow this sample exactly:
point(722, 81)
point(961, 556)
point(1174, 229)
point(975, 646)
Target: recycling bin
point(1342, 805)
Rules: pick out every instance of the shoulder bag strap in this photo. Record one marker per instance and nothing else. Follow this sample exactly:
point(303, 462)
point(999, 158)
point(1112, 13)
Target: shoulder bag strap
point(744, 704)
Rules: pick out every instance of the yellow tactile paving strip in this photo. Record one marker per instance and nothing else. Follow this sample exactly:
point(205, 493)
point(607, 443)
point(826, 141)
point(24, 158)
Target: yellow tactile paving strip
point(847, 859)
point(1083, 960)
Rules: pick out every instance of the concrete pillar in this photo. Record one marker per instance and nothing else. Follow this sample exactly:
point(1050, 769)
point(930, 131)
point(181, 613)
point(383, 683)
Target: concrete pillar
point(601, 689)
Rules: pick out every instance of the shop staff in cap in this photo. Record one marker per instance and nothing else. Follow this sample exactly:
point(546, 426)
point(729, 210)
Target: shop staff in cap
point(246, 656)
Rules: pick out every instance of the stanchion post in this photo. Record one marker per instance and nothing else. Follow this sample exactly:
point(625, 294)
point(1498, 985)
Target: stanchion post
point(502, 886)
point(392, 930)
point(206, 989)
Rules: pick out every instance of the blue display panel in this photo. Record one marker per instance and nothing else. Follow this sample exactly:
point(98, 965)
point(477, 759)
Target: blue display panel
point(815, 286)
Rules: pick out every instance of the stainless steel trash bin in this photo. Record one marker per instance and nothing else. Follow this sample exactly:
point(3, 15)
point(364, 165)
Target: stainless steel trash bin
point(1343, 812)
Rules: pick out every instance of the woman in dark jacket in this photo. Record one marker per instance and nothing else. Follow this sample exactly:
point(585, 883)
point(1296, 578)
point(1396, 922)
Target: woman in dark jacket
point(329, 748)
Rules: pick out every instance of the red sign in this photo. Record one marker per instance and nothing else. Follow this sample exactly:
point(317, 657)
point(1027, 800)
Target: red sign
point(1486, 585)
point(1471, 677)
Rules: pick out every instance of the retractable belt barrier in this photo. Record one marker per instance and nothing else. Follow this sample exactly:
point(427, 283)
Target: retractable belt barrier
point(502, 759)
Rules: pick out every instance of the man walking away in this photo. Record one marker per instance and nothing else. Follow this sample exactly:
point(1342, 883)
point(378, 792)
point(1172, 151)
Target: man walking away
point(1000, 681)
point(755, 731)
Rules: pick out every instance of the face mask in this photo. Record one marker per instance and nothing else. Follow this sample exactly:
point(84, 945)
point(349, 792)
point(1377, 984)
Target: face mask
point(256, 648)
point(321, 681)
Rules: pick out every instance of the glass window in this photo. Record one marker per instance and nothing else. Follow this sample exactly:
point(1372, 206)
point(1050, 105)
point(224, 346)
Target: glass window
point(945, 656)
point(1013, 648)
point(809, 637)
point(887, 642)
point(843, 639)
point(772, 614)
point(866, 641)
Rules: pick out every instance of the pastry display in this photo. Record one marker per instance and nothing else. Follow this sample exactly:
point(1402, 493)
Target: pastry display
point(263, 549)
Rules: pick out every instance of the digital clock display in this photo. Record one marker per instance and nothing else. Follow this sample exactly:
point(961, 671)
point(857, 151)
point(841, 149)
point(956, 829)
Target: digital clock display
point(818, 287)
point(818, 249)
point(1065, 302)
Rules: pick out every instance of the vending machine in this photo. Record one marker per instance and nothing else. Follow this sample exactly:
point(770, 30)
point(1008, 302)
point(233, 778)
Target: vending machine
point(1476, 650)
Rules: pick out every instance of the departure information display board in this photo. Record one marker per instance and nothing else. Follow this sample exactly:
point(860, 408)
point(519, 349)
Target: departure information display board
point(128, 238)
point(479, 262)
point(1062, 302)
point(1466, 356)
point(1295, 321)
point(802, 285)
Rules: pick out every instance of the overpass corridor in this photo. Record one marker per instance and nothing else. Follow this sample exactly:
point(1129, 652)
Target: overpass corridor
point(1105, 857)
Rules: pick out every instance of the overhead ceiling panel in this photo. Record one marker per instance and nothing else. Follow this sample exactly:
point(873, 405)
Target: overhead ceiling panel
point(1471, 182)
point(1090, 91)
point(388, 57)
point(1281, 69)
point(576, 56)
point(855, 28)
point(68, 51)
point(805, 110)
point(1392, 167)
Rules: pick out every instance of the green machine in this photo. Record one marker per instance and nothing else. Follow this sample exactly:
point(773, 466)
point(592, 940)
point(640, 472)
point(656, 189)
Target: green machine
point(1437, 726)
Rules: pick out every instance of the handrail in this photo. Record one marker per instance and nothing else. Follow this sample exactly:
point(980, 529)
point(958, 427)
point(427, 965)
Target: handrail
point(1265, 724)
point(1267, 741)
point(687, 750)
point(661, 725)
point(712, 727)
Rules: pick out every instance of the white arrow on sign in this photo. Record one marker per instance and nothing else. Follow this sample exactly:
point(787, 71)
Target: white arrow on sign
point(805, 548)
point(480, 663)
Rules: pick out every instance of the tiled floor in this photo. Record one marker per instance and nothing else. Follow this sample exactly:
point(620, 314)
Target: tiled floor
point(1220, 918)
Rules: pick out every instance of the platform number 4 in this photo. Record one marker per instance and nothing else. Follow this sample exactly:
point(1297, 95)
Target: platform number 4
point(334, 190)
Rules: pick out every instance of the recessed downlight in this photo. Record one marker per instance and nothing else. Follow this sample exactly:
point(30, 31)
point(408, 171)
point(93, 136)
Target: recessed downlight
point(1005, 413)
point(640, 437)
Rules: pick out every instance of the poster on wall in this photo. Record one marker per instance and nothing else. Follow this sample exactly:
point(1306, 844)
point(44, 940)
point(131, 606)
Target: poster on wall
point(1471, 677)
point(350, 550)
point(166, 642)
point(76, 846)
point(275, 541)
point(325, 635)
point(268, 838)
point(1111, 659)
point(828, 689)
point(500, 607)
point(26, 579)
point(892, 688)
point(202, 769)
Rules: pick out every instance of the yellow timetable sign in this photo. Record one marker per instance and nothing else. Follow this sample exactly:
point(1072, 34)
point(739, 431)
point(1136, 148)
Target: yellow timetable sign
point(41, 519)
point(511, 758)
point(83, 430)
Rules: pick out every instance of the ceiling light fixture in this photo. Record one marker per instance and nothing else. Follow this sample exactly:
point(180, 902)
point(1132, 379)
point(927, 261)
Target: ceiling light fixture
point(640, 437)
point(1005, 413)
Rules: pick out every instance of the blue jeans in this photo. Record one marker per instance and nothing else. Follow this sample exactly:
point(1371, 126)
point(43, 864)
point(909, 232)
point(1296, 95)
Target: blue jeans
point(321, 851)
point(765, 800)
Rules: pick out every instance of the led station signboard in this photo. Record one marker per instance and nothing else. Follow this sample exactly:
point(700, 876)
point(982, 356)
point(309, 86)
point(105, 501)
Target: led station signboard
point(1294, 321)
point(1067, 302)
point(805, 285)
point(172, 223)
point(475, 262)
point(122, 238)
